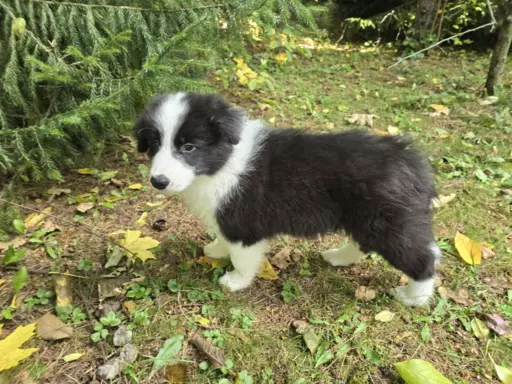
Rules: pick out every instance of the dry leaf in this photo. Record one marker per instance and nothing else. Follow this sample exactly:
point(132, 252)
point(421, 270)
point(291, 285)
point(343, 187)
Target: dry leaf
point(54, 192)
point(487, 252)
point(393, 130)
point(34, 219)
point(176, 373)
point(72, 357)
point(460, 297)
point(498, 324)
point(142, 219)
point(380, 132)
point(10, 352)
point(84, 207)
point(469, 250)
point(129, 305)
point(480, 329)
point(215, 263)
point(489, 100)
point(152, 205)
point(362, 119)
point(62, 291)
point(438, 202)
point(440, 109)
point(267, 272)
point(281, 259)
point(329, 125)
point(16, 243)
point(87, 171)
point(202, 321)
point(50, 327)
point(215, 355)
point(122, 336)
point(50, 226)
point(159, 225)
point(365, 293)
point(384, 316)
point(138, 246)
point(135, 186)
point(114, 255)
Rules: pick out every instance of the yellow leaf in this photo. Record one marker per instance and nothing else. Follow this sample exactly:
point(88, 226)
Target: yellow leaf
point(384, 316)
point(135, 186)
point(272, 120)
point(138, 246)
point(87, 171)
point(281, 58)
point(142, 219)
point(504, 374)
point(10, 352)
point(149, 204)
point(84, 198)
point(469, 250)
point(380, 132)
point(95, 190)
point(326, 110)
point(1, 326)
point(440, 108)
point(267, 271)
point(129, 305)
point(239, 61)
point(393, 130)
point(215, 263)
point(202, 321)
point(72, 357)
point(176, 373)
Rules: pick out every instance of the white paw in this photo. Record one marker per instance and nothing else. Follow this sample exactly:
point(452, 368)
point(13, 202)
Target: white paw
point(216, 250)
point(405, 296)
point(234, 281)
point(342, 257)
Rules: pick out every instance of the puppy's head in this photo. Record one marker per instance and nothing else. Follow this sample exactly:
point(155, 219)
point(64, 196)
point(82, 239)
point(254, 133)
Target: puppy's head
point(187, 135)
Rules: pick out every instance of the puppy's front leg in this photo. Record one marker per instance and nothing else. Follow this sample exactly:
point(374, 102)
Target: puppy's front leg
point(247, 261)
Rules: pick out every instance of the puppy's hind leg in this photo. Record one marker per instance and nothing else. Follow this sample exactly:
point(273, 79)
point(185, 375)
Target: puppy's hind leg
point(344, 256)
point(247, 261)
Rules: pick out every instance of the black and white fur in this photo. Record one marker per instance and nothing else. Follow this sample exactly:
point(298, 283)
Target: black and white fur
point(249, 183)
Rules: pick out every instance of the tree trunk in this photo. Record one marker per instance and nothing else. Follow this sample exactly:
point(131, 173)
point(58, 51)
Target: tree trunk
point(499, 55)
point(426, 13)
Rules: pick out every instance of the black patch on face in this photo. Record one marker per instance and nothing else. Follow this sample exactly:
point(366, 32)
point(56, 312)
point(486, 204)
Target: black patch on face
point(148, 136)
point(212, 126)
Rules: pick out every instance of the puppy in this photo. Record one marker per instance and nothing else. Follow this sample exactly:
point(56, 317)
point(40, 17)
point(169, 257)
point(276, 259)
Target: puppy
point(249, 183)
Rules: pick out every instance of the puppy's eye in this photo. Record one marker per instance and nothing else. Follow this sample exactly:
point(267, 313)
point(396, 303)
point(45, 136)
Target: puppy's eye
point(188, 148)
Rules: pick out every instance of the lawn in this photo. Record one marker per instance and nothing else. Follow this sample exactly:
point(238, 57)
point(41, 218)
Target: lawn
point(261, 330)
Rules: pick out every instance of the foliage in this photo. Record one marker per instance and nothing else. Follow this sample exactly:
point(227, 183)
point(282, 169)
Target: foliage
point(74, 74)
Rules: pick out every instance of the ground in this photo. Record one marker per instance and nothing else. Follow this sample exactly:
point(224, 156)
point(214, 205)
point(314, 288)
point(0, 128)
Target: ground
point(468, 143)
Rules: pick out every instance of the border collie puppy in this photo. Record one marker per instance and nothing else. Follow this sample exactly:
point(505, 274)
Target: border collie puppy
point(249, 183)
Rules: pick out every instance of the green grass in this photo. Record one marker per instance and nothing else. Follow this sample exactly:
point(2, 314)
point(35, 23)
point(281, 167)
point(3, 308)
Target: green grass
point(471, 152)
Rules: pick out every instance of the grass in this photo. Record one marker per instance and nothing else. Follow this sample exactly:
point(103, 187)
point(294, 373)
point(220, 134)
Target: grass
point(471, 151)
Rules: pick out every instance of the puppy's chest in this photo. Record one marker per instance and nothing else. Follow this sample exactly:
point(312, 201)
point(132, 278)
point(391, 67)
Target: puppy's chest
point(201, 199)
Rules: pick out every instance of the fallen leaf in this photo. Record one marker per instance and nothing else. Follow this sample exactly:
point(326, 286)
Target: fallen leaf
point(94, 190)
point(84, 207)
point(10, 352)
point(49, 226)
point(152, 205)
point(380, 132)
point(135, 186)
point(87, 171)
point(498, 324)
point(442, 200)
point(176, 373)
point(167, 354)
point(480, 329)
point(469, 250)
point(418, 371)
point(72, 357)
point(312, 340)
point(215, 263)
point(329, 125)
point(50, 327)
point(138, 246)
point(34, 219)
point(503, 373)
point(489, 100)
point(487, 252)
point(16, 243)
point(215, 355)
point(202, 321)
point(267, 272)
point(84, 198)
point(142, 218)
point(440, 109)
point(62, 292)
point(104, 176)
point(122, 336)
point(301, 327)
point(55, 192)
point(114, 255)
point(393, 130)
point(365, 293)
point(460, 297)
point(362, 119)
point(129, 305)
point(272, 120)
point(384, 316)
point(281, 259)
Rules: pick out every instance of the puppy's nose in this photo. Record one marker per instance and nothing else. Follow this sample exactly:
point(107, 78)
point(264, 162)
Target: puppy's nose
point(159, 181)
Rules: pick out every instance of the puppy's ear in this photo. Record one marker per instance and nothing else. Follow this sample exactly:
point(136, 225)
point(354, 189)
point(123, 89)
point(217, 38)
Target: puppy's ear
point(228, 121)
point(142, 144)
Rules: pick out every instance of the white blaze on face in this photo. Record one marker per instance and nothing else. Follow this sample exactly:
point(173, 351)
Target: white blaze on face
point(167, 161)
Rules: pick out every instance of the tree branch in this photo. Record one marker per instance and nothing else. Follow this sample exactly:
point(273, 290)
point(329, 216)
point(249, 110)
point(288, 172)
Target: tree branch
point(129, 8)
point(492, 23)
point(491, 13)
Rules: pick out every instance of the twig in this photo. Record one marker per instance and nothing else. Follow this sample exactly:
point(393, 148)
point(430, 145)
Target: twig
point(88, 228)
point(441, 42)
point(138, 9)
point(491, 13)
